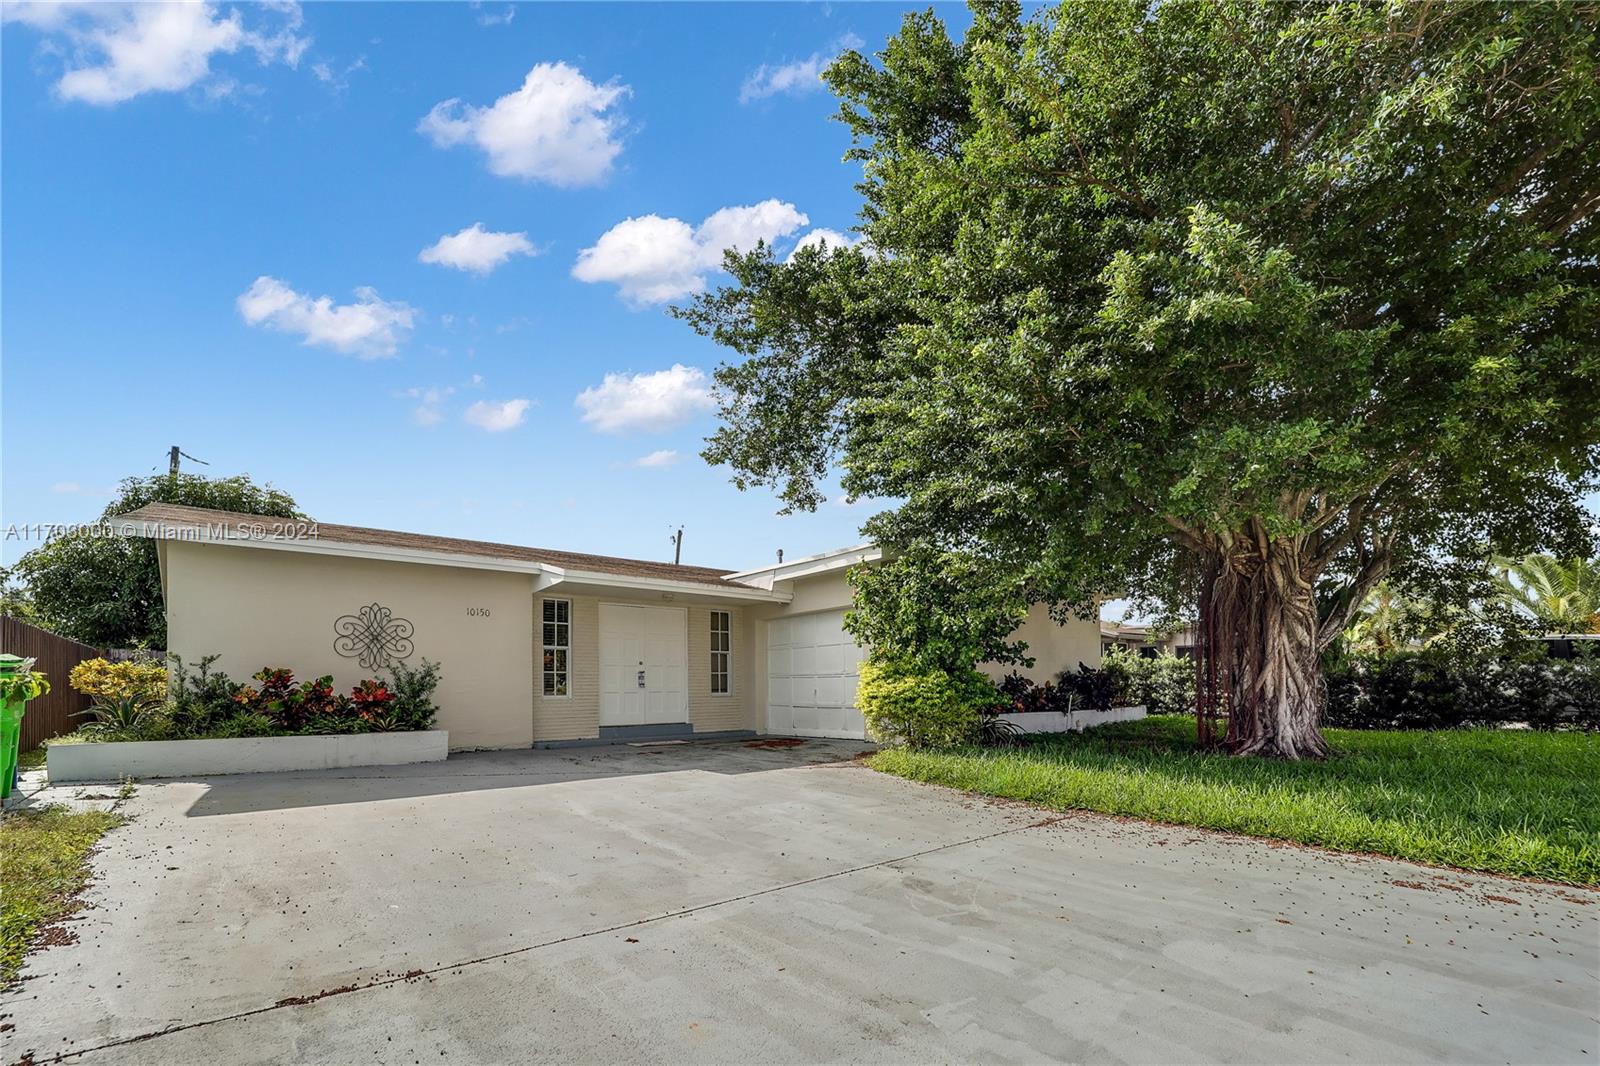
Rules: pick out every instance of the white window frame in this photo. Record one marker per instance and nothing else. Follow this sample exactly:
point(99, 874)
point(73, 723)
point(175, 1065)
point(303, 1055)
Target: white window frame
point(726, 673)
point(554, 604)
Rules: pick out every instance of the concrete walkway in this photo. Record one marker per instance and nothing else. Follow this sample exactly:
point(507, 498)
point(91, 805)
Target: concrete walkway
point(723, 903)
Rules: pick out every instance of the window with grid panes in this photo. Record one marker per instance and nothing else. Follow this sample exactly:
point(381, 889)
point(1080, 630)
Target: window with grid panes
point(721, 644)
point(557, 646)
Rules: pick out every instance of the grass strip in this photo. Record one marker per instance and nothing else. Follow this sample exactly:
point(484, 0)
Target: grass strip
point(1509, 802)
point(44, 865)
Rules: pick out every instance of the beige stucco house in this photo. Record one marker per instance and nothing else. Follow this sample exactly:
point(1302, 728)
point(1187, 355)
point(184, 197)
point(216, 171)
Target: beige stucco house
point(538, 647)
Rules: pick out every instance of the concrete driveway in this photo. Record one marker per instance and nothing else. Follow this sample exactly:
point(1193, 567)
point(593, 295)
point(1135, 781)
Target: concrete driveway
point(724, 903)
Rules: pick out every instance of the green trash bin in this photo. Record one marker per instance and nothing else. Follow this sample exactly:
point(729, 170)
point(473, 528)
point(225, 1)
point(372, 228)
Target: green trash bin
point(10, 724)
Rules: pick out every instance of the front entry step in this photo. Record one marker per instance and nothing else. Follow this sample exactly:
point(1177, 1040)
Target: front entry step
point(651, 731)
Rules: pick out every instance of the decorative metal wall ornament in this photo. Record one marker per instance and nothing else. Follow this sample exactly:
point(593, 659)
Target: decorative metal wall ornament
point(373, 636)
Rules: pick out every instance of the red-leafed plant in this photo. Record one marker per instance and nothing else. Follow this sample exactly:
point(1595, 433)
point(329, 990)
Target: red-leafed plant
point(374, 702)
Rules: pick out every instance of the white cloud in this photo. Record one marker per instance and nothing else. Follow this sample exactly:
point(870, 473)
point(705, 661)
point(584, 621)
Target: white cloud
point(657, 459)
point(486, 18)
point(76, 488)
point(820, 237)
point(476, 249)
point(796, 77)
point(427, 412)
point(430, 399)
point(371, 327)
point(337, 80)
point(115, 52)
point(497, 417)
point(558, 128)
point(646, 401)
point(654, 259)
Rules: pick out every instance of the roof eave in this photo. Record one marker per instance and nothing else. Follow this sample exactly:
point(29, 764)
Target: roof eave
point(545, 575)
point(810, 565)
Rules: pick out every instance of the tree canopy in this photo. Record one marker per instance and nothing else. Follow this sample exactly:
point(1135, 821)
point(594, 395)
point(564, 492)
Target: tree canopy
point(106, 590)
point(1242, 307)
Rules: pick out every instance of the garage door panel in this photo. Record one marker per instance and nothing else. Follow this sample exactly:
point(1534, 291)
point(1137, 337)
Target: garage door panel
point(812, 665)
point(831, 692)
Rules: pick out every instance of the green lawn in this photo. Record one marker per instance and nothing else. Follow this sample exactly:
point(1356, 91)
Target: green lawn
point(1520, 803)
point(44, 864)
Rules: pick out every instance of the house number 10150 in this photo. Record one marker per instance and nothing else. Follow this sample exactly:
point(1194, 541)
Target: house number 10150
point(477, 612)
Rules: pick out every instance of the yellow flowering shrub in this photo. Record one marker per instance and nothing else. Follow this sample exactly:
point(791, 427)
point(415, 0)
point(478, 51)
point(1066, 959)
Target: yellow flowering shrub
point(102, 679)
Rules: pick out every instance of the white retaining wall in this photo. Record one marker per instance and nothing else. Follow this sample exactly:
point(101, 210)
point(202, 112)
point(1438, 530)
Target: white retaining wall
point(247, 755)
point(1075, 722)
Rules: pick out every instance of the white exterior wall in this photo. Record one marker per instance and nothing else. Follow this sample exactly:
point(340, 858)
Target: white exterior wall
point(257, 607)
point(1054, 647)
point(577, 716)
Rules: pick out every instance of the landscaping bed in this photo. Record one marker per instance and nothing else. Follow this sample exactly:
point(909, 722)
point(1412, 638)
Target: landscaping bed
point(1514, 802)
point(149, 722)
point(115, 760)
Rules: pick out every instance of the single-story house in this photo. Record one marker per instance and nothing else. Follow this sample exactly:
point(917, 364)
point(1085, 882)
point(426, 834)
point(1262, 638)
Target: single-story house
point(538, 647)
point(1146, 641)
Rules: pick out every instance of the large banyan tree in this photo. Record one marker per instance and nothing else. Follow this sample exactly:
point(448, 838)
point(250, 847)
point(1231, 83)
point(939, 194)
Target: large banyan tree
point(1236, 308)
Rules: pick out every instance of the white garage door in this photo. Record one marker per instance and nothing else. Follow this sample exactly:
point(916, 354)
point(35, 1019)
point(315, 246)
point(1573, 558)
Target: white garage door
point(811, 677)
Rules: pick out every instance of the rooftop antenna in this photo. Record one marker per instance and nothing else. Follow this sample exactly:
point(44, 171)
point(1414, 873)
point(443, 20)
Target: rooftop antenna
point(173, 456)
point(677, 546)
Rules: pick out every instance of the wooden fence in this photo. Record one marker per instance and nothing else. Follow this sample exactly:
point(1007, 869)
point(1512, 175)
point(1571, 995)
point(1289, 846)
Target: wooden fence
point(50, 715)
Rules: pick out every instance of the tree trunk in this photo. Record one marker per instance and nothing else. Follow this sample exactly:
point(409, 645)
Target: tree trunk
point(1259, 616)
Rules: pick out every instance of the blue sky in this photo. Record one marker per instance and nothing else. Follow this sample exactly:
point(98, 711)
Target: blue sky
point(409, 262)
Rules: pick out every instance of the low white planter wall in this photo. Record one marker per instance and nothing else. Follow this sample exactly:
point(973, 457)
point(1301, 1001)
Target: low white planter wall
point(1076, 722)
point(247, 755)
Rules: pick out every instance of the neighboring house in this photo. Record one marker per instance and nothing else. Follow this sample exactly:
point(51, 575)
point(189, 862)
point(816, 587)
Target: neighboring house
point(1145, 641)
point(538, 647)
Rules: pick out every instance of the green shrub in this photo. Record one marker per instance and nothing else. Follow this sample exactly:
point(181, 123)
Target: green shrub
point(243, 724)
point(1164, 683)
point(200, 698)
point(413, 690)
point(1445, 686)
point(102, 679)
point(903, 704)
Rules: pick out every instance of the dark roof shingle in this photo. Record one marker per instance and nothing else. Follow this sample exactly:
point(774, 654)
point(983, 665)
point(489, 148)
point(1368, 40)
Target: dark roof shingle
point(179, 515)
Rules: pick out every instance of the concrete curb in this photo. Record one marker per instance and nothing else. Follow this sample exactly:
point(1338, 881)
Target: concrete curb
point(71, 763)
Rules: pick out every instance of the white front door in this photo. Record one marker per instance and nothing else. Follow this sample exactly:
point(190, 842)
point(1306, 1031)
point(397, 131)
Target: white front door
point(811, 677)
point(643, 665)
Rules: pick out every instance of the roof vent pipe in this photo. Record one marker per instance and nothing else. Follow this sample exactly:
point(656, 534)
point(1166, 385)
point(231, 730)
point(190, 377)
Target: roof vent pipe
point(780, 555)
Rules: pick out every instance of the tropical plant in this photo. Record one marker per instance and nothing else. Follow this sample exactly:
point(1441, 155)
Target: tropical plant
point(106, 590)
point(1234, 309)
point(1021, 695)
point(905, 703)
point(1554, 595)
point(375, 704)
point(992, 731)
point(101, 678)
point(23, 684)
point(127, 714)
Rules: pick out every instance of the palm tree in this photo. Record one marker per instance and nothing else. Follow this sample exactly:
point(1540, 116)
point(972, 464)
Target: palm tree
point(1557, 596)
point(1390, 621)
